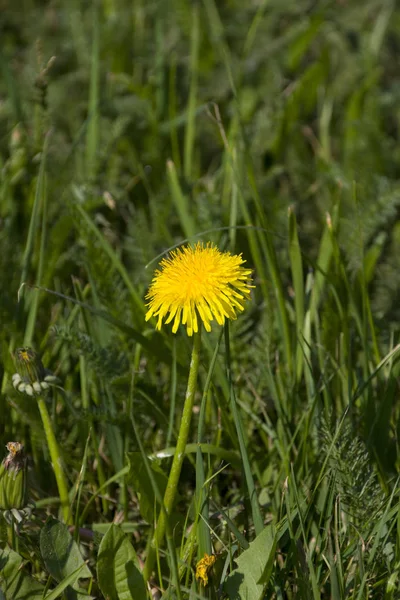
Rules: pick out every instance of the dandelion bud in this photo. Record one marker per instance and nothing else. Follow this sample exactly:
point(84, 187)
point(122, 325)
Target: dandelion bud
point(31, 377)
point(13, 489)
point(29, 365)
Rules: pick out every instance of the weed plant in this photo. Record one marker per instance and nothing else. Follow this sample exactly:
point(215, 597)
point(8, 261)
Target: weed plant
point(271, 130)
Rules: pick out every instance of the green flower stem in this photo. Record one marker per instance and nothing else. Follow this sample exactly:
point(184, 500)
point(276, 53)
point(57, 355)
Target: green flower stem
point(12, 538)
point(174, 475)
point(55, 456)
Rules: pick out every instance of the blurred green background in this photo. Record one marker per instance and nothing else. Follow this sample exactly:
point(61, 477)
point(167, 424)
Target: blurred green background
point(268, 127)
point(307, 100)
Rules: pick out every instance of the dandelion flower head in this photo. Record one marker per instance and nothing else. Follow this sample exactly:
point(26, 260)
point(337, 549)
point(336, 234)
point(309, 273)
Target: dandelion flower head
point(198, 282)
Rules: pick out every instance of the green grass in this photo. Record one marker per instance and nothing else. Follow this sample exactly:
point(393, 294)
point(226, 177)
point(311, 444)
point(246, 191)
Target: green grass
point(272, 130)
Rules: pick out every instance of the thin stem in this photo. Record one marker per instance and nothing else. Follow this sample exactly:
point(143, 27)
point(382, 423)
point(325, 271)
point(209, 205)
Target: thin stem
point(174, 475)
point(11, 534)
point(157, 493)
point(56, 461)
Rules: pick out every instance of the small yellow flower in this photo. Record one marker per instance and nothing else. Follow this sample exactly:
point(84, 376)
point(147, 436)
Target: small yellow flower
point(199, 281)
point(204, 567)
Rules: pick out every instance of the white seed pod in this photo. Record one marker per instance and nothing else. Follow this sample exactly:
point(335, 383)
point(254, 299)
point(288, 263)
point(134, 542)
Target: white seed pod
point(36, 387)
point(21, 387)
point(44, 385)
point(28, 389)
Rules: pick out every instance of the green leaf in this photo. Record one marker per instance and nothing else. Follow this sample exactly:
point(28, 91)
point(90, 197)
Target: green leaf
point(15, 584)
point(296, 265)
point(118, 571)
point(70, 580)
point(61, 555)
point(142, 484)
point(251, 577)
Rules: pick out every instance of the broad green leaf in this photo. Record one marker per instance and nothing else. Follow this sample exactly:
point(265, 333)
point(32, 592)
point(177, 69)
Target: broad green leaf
point(61, 555)
point(118, 571)
point(15, 584)
point(251, 577)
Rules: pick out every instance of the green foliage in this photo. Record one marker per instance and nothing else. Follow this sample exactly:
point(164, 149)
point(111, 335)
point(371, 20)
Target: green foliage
point(354, 481)
point(61, 555)
point(107, 362)
point(16, 584)
point(143, 487)
point(118, 568)
point(253, 573)
point(270, 129)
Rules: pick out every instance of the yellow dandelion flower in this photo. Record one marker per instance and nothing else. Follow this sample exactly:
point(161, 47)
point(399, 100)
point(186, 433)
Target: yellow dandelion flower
point(199, 281)
point(204, 567)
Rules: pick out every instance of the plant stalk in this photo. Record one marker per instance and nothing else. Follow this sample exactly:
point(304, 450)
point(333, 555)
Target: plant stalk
point(176, 467)
point(56, 461)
